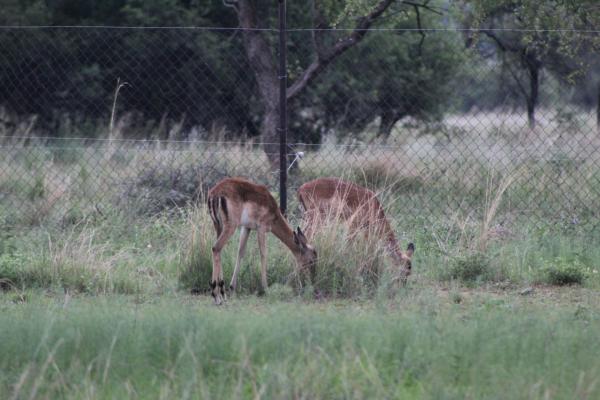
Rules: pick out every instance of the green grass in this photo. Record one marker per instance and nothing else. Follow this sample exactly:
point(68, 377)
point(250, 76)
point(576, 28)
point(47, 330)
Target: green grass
point(421, 345)
point(100, 248)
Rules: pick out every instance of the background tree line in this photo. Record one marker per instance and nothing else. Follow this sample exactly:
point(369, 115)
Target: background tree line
point(342, 77)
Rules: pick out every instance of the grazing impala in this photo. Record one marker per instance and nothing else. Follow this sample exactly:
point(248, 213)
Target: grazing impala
point(357, 205)
point(235, 202)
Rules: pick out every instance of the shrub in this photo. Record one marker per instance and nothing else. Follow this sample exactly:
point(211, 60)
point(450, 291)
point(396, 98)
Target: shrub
point(156, 189)
point(17, 273)
point(561, 275)
point(566, 275)
point(381, 174)
point(470, 268)
point(9, 275)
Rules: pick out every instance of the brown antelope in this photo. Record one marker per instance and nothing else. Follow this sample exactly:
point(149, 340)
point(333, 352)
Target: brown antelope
point(357, 205)
point(236, 202)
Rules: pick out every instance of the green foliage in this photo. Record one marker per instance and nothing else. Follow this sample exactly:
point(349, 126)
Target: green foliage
point(78, 69)
point(16, 272)
point(24, 12)
point(9, 270)
point(470, 268)
point(551, 35)
point(194, 77)
point(564, 275)
point(561, 271)
point(424, 348)
point(398, 74)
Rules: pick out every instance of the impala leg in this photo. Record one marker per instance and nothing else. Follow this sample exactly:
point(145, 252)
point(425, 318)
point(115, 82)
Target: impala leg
point(244, 233)
point(217, 284)
point(262, 246)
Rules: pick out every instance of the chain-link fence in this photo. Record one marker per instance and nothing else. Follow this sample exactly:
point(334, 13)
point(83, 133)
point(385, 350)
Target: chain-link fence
point(93, 119)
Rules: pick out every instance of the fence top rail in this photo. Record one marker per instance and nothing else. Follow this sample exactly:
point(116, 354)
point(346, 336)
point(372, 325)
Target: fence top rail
point(129, 27)
point(67, 143)
point(300, 29)
point(188, 141)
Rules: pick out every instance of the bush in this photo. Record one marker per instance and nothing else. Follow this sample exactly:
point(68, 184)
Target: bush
point(16, 273)
point(165, 187)
point(561, 275)
point(565, 276)
point(9, 275)
point(470, 268)
point(381, 174)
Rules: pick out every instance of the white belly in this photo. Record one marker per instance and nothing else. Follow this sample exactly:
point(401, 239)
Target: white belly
point(247, 219)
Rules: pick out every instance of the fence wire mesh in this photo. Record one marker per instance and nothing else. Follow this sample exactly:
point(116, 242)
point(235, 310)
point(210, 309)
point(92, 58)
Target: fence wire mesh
point(148, 119)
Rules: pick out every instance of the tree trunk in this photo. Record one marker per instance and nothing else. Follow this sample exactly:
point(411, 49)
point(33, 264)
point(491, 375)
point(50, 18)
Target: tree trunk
point(265, 70)
point(263, 65)
point(270, 137)
point(388, 120)
point(534, 84)
point(532, 99)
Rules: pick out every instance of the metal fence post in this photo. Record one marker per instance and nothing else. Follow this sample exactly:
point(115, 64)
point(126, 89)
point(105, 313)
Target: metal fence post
point(282, 110)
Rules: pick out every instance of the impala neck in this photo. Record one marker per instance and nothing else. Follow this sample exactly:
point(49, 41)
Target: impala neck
point(283, 232)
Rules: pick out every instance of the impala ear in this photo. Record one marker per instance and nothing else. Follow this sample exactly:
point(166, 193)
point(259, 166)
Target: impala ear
point(301, 235)
point(410, 250)
point(299, 238)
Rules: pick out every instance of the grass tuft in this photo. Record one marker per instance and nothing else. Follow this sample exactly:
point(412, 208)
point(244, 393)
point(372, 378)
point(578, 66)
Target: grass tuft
point(195, 273)
point(561, 275)
point(470, 268)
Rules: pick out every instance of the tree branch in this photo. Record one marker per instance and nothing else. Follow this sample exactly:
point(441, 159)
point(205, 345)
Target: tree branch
point(420, 27)
point(231, 4)
point(319, 23)
point(425, 6)
point(504, 46)
point(322, 60)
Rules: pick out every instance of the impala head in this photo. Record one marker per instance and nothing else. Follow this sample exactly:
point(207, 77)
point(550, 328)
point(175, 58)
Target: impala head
point(403, 261)
point(307, 255)
point(217, 291)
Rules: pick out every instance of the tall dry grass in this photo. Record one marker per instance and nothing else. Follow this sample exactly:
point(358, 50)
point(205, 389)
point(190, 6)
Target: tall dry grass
point(475, 193)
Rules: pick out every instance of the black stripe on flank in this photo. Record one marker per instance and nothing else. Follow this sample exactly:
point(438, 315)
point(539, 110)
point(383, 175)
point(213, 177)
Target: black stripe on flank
point(224, 207)
point(211, 208)
point(215, 216)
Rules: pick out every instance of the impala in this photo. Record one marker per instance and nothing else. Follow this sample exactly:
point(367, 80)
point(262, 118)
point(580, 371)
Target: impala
point(236, 202)
point(357, 205)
